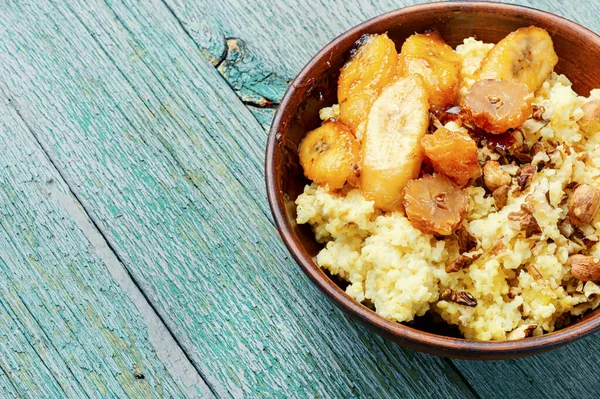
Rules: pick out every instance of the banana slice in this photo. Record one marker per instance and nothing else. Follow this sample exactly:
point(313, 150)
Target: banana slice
point(391, 154)
point(525, 55)
point(371, 68)
point(428, 55)
point(330, 155)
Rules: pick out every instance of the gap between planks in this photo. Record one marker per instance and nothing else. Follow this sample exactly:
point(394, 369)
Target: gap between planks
point(167, 348)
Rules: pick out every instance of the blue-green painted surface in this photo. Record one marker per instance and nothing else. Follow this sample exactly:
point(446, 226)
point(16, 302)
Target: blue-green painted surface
point(151, 113)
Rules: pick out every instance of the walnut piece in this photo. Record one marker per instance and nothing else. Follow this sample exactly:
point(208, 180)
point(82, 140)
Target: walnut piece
point(584, 204)
point(498, 247)
point(501, 196)
point(466, 241)
point(566, 228)
point(524, 331)
point(525, 175)
point(586, 241)
point(536, 148)
point(534, 272)
point(585, 268)
point(527, 221)
point(494, 176)
point(460, 297)
point(538, 112)
point(463, 261)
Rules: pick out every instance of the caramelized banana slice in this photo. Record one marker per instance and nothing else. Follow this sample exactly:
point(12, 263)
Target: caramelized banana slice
point(330, 155)
point(372, 67)
point(498, 105)
point(428, 55)
point(391, 155)
point(525, 55)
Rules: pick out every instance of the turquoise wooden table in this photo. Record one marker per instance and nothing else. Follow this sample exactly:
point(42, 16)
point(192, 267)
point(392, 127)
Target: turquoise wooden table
point(138, 257)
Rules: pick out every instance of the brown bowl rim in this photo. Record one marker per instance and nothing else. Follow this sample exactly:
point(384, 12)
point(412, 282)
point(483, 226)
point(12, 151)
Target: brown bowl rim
point(414, 338)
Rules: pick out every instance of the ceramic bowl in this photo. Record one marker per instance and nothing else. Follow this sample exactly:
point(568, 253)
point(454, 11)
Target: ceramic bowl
point(315, 87)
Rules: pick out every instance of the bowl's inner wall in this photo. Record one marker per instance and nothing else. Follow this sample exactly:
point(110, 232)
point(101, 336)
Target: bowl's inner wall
point(316, 87)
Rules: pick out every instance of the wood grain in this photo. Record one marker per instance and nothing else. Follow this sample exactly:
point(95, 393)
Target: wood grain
point(67, 329)
point(168, 162)
point(279, 41)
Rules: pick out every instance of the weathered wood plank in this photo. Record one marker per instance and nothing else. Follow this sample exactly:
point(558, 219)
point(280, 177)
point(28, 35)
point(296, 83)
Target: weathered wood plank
point(169, 164)
point(281, 41)
point(565, 373)
point(67, 329)
point(7, 388)
point(277, 41)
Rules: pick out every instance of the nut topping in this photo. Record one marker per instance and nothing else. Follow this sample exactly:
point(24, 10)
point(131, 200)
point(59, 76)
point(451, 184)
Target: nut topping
point(566, 228)
point(590, 122)
point(585, 268)
point(466, 241)
point(463, 261)
point(524, 331)
point(538, 112)
point(525, 175)
point(584, 204)
point(460, 297)
point(534, 272)
point(494, 176)
point(501, 196)
point(527, 221)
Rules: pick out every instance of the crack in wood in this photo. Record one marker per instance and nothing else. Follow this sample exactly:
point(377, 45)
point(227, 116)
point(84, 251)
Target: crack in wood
point(254, 83)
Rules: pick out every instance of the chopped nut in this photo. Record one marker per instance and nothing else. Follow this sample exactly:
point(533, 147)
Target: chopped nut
point(584, 204)
point(525, 175)
point(524, 331)
point(584, 158)
point(463, 261)
point(585, 268)
point(582, 239)
point(527, 221)
point(528, 331)
point(566, 228)
point(521, 153)
point(564, 319)
point(498, 247)
point(547, 196)
point(466, 241)
point(590, 289)
point(537, 148)
point(460, 297)
point(534, 272)
point(579, 288)
point(513, 292)
point(590, 122)
point(579, 147)
point(574, 248)
point(501, 196)
point(571, 185)
point(494, 176)
point(538, 112)
point(531, 126)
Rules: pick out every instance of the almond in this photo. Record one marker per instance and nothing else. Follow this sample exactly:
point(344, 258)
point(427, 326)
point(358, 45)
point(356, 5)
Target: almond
point(584, 204)
point(585, 268)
